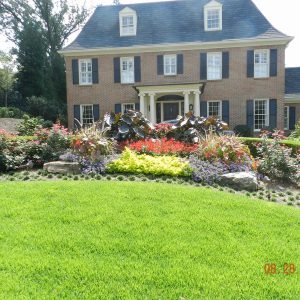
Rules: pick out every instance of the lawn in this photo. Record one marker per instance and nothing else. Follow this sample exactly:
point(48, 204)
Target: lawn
point(128, 240)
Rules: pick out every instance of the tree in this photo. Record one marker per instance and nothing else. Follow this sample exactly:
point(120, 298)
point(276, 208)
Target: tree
point(116, 2)
point(7, 78)
point(51, 22)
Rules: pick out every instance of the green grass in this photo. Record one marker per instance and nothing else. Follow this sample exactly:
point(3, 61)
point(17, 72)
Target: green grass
point(128, 240)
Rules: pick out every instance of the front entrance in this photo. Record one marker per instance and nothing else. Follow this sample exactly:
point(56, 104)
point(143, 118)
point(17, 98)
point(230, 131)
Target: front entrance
point(171, 110)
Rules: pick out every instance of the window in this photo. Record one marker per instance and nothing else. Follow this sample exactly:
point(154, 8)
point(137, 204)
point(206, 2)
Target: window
point(214, 109)
point(127, 106)
point(213, 16)
point(170, 64)
point(128, 22)
point(286, 118)
point(261, 114)
point(214, 66)
point(86, 114)
point(261, 63)
point(85, 71)
point(127, 69)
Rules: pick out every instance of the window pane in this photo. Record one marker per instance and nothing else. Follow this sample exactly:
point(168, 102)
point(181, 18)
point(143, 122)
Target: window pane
point(260, 114)
point(87, 115)
point(214, 109)
point(261, 64)
point(127, 72)
point(170, 64)
point(286, 118)
point(214, 66)
point(213, 18)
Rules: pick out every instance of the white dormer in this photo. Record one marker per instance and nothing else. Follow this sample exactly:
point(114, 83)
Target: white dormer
point(127, 21)
point(213, 16)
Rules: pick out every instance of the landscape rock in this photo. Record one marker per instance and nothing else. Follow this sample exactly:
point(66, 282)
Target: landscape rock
point(241, 181)
point(62, 167)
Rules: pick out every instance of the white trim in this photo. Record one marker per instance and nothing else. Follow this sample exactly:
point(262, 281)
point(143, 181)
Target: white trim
point(127, 12)
point(267, 122)
point(175, 88)
point(170, 56)
point(288, 117)
point(267, 51)
point(81, 112)
point(207, 108)
point(292, 99)
point(86, 61)
point(213, 5)
point(234, 43)
point(123, 106)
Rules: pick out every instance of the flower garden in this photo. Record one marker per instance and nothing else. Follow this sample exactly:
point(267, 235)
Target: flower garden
point(128, 147)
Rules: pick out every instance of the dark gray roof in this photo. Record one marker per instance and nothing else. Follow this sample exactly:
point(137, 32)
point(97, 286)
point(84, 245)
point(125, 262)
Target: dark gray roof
point(292, 80)
point(173, 22)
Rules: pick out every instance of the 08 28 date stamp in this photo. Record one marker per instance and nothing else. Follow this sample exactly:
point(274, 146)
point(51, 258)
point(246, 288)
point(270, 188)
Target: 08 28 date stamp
point(274, 269)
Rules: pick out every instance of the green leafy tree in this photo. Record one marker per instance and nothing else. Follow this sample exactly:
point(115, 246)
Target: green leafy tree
point(7, 78)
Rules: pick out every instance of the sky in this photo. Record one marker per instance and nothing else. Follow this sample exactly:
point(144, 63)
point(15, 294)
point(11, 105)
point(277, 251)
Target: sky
point(284, 16)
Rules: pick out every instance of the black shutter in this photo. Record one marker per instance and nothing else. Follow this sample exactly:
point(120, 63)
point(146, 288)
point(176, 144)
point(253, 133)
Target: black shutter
point(225, 64)
point(137, 69)
point(250, 113)
point(76, 114)
point(250, 63)
point(137, 106)
point(273, 62)
point(96, 112)
point(179, 63)
point(272, 113)
point(117, 71)
point(292, 121)
point(203, 66)
point(203, 108)
point(160, 65)
point(75, 71)
point(95, 73)
point(225, 111)
point(118, 108)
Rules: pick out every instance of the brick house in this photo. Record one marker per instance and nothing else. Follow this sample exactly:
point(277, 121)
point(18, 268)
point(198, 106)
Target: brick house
point(220, 58)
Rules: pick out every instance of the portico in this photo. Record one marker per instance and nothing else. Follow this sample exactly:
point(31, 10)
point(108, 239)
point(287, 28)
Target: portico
point(161, 103)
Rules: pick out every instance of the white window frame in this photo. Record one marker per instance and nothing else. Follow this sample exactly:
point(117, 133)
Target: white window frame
point(267, 114)
point(85, 61)
point(257, 66)
point(210, 54)
point(213, 5)
point(287, 117)
point(127, 12)
point(124, 106)
point(167, 59)
point(81, 114)
point(220, 108)
point(122, 75)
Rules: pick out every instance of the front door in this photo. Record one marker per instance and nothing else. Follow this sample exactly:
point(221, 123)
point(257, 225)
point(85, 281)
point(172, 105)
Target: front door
point(171, 111)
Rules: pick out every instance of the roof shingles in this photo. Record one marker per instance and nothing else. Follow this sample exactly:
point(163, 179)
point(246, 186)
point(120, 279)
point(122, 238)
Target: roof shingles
point(173, 22)
point(292, 80)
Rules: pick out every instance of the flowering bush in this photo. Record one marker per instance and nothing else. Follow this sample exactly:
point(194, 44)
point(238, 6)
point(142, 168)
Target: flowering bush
point(131, 162)
point(228, 149)
point(277, 161)
point(163, 146)
point(210, 172)
point(163, 129)
point(91, 143)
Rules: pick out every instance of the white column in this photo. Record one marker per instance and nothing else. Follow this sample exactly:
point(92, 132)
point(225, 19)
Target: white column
point(197, 103)
point(186, 102)
point(152, 108)
point(142, 103)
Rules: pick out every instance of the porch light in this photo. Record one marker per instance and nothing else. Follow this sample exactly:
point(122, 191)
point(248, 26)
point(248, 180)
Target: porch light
point(191, 107)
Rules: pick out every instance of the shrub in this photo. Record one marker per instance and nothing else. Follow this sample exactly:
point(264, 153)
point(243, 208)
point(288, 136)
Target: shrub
point(163, 129)
point(277, 162)
point(163, 146)
point(227, 149)
point(190, 128)
point(131, 125)
point(131, 162)
point(296, 133)
point(92, 143)
point(11, 112)
point(243, 130)
point(29, 125)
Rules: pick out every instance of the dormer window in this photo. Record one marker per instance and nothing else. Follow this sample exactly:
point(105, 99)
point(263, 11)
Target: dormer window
point(128, 22)
point(213, 16)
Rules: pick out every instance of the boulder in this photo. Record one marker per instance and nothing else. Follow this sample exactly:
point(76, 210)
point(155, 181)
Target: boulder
point(62, 167)
point(241, 181)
